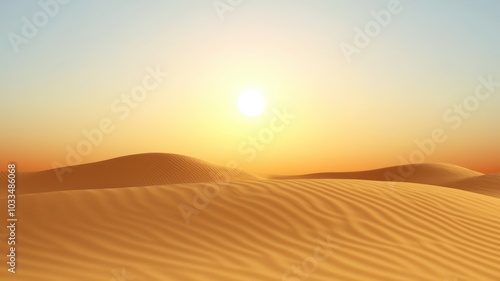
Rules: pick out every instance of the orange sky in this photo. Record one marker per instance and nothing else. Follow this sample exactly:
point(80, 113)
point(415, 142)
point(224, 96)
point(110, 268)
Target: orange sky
point(77, 76)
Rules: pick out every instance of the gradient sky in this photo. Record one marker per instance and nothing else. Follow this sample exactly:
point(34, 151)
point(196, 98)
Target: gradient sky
point(347, 116)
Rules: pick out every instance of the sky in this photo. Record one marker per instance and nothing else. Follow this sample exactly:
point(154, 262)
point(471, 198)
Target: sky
point(349, 85)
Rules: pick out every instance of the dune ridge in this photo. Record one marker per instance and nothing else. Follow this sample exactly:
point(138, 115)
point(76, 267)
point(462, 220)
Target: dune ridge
point(441, 174)
point(485, 184)
point(420, 173)
point(133, 170)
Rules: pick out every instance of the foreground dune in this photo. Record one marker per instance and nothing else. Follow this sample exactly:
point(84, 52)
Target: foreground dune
point(305, 229)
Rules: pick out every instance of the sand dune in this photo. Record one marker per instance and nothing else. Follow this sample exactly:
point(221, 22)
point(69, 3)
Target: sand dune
point(485, 184)
point(260, 230)
point(441, 174)
point(167, 217)
point(432, 173)
point(133, 170)
point(159, 168)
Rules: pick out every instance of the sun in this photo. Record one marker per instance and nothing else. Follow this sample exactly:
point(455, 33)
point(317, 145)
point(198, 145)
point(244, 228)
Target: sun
point(251, 103)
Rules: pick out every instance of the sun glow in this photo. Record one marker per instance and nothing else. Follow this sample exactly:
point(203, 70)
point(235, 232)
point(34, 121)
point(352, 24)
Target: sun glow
point(251, 103)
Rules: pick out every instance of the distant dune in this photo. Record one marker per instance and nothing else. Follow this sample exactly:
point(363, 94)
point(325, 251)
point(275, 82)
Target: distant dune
point(133, 170)
point(428, 173)
point(434, 173)
point(165, 217)
point(485, 184)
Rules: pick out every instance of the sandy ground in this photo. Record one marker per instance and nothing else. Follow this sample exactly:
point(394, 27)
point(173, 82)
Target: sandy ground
point(175, 223)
